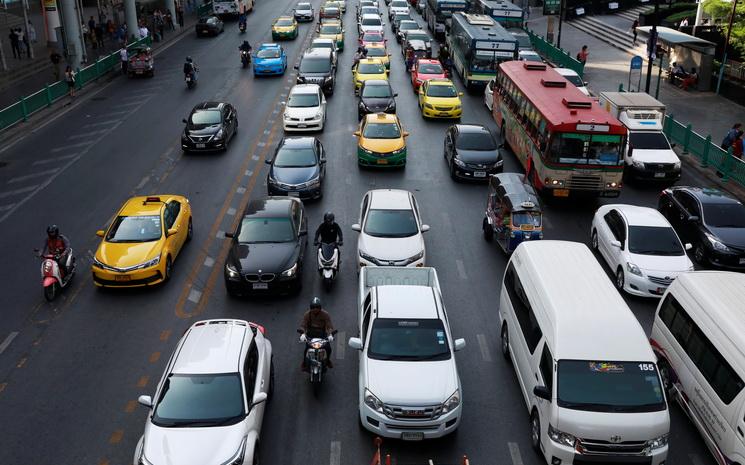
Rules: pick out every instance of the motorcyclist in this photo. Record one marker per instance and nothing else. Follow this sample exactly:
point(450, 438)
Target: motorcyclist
point(190, 69)
point(242, 20)
point(245, 47)
point(57, 245)
point(329, 231)
point(317, 323)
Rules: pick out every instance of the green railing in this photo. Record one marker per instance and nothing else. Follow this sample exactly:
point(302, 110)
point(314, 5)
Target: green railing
point(555, 55)
point(204, 9)
point(45, 97)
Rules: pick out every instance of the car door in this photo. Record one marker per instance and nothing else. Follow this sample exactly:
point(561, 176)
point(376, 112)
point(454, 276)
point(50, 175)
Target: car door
point(363, 209)
point(301, 227)
point(422, 93)
point(618, 254)
point(606, 234)
point(254, 379)
point(687, 207)
point(322, 99)
point(321, 158)
point(176, 220)
point(544, 376)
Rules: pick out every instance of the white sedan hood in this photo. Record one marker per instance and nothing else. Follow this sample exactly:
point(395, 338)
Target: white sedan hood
point(191, 446)
point(302, 112)
point(655, 156)
point(391, 248)
point(664, 265)
point(411, 383)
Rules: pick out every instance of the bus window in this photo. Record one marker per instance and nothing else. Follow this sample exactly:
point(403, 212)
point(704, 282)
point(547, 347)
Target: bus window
point(583, 149)
point(605, 149)
point(484, 61)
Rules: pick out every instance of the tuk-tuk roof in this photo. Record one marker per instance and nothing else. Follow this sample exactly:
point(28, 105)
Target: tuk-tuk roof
point(515, 193)
point(417, 44)
point(140, 49)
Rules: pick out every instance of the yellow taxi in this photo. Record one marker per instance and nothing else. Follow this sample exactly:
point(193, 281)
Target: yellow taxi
point(140, 245)
point(284, 27)
point(368, 68)
point(438, 98)
point(340, 4)
point(332, 30)
point(378, 51)
point(381, 141)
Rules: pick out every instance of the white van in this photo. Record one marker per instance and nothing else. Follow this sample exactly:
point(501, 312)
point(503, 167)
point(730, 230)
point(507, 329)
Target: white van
point(583, 362)
point(699, 337)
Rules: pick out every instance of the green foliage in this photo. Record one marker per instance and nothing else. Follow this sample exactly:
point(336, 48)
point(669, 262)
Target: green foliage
point(720, 11)
point(675, 18)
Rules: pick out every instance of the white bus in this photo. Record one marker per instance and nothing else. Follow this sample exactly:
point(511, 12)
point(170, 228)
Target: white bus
point(225, 8)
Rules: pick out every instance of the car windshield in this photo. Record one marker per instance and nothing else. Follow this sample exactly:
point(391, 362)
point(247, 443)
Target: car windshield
point(654, 240)
point(283, 22)
point(330, 29)
point(266, 230)
point(268, 53)
point(586, 149)
point(408, 25)
point(205, 117)
point(724, 215)
point(442, 91)
point(484, 60)
point(648, 141)
point(135, 229)
point(476, 141)
point(376, 91)
point(372, 37)
point(574, 79)
point(408, 340)
point(381, 131)
point(430, 68)
point(417, 36)
point(295, 157)
point(391, 223)
point(315, 65)
point(371, 21)
point(609, 386)
point(200, 400)
point(331, 11)
point(371, 68)
point(532, 57)
point(526, 219)
point(298, 100)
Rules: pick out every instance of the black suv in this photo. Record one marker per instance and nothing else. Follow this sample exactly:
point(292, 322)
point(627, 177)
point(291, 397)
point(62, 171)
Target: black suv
point(710, 220)
point(317, 67)
point(210, 126)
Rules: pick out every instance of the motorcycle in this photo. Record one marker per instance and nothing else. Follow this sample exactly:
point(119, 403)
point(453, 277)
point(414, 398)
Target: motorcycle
point(191, 78)
point(245, 58)
point(316, 359)
point(242, 27)
point(52, 277)
point(328, 263)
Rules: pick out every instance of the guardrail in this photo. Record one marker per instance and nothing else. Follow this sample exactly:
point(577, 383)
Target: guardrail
point(44, 98)
point(557, 56)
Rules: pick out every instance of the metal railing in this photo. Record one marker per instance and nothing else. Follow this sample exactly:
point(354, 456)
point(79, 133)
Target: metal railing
point(555, 55)
point(44, 98)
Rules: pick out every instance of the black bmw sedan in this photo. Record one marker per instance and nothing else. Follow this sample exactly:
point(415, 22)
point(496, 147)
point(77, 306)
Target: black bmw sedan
point(376, 96)
point(209, 26)
point(297, 168)
point(471, 152)
point(210, 127)
point(267, 249)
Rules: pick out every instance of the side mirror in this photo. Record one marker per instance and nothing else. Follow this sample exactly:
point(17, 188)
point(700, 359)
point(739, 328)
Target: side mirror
point(268, 161)
point(100, 233)
point(355, 343)
point(323, 161)
point(542, 392)
point(406, 134)
point(356, 227)
point(688, 246)
point(395, 95)
point(296, 67)
point(145, 401)
point(259, 398)
point(425, 228)
point(229, 234)
point(184, 120)
point(357, 134)
point(616, 244)
point(459, 344)
point(693, 218)
point(586, 83)
point(460, 94)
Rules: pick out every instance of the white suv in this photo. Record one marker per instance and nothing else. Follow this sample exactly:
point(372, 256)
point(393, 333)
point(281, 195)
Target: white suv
point(305, 109)
point(209, 404)
point(398, 7)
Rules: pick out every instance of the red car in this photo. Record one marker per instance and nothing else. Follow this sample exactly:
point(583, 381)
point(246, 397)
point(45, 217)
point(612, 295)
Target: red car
point(425, 70)
point(372, 37)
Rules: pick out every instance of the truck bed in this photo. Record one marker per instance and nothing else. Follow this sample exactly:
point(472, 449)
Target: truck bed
point(371, 276)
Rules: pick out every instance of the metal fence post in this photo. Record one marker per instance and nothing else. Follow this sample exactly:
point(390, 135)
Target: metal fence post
point(667, 125)
point(620, 87)
point(98, 68)
point(24, 109)
point(78, 81)
point(705, 155)
point(727, 165)
point(687, 138)
point(48, 93)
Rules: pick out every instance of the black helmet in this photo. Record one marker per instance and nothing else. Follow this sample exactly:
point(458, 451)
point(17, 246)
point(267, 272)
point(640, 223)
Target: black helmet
point(315, 303)
point(52, 230)
point(328, 217)
point(188, 59)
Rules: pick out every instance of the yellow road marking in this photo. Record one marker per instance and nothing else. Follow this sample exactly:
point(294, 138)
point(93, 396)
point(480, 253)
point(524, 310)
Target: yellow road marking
point(3, 386)
point(154, 357)
point(131, 406)
point(142, 382)
point(22, 362)
point(165, 334)
point(116, 436)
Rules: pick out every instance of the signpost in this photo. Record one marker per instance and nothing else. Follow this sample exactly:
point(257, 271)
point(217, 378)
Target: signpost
point(635, 67)
point(551, 7)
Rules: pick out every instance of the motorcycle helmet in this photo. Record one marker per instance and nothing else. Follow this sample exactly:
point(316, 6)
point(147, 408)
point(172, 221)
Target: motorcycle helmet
point(52, 231)
point(328, 217)
point(315, 303)
point(188, 59)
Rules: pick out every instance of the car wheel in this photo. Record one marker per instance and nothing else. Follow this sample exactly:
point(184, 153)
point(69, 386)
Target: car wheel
point(190, 231)
point(505, 342)
point(594, 241)
point(620, 278)
point(168, 270)
point(535, 432)
point(488, 231)
point(699, 254)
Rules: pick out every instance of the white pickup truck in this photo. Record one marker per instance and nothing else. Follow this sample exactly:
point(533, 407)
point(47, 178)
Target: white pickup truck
point(409, 386)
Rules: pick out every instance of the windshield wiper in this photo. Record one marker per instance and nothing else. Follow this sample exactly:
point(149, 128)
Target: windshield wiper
point(592, 406)
point(432, 356)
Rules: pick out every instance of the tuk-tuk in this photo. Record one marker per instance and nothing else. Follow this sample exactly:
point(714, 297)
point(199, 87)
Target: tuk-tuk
point(141, 62)
point(513, 211)
point(415, 50)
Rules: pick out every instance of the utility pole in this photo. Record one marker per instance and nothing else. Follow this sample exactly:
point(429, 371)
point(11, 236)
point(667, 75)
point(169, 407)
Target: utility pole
point(25, 27)
point(726, 44)
point(652, 45)
point(561, 16)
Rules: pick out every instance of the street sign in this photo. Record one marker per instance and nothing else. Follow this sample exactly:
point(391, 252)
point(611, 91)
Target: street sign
point(551, 7)
point(636, 62)
point(635, 73)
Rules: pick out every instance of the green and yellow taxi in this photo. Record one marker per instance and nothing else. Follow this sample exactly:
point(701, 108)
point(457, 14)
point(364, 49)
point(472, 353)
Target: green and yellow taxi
point(340, 4)
point(438, 98)
point(332, 30)
point(378, 51)
point(381, 141)
point(284, 27)
point(368, 68)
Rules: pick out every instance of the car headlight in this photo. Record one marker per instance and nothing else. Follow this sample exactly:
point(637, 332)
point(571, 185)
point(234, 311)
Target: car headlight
point(391, 106)
point(147, 264)
point(457, 107)
point(328, 79)
point(452, 403)
point(363, 107)
point(369, 152)
point(220, 134)
point(676, 166)
point(638, 164)
point(633, 269)
point(97, 263)
point(232, 271)
point(429, 105)
point(287, 116)
point(560, 437)
point(319, 114)
point(499, 162)
point(658, 442)
point(459, 162)
point(373, 402)
point(290, 272)
point(717, 244)
point(399, 151)
point(414, 258)
point(367, 257)
point(237, 458)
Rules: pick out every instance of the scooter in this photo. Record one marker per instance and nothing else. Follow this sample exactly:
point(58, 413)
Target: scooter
point(51, 276)
point(245, 58)
point(242, 26)
point(328, 263)
point(316, 359)
point(191, 78)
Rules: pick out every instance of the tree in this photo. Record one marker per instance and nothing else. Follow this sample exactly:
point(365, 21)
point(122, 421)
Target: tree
point(720, 11)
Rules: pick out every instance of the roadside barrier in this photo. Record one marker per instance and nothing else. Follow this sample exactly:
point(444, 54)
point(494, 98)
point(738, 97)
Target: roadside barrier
point(555, 55)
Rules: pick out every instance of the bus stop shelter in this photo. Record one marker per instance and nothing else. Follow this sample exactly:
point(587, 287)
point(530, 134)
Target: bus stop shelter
point(688, 51)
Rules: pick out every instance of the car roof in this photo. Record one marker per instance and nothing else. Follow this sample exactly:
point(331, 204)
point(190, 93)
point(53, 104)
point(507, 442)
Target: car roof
point(137, 206)
point(384, 118)
point(213, 346)
point(305, 89)
point(640, 216)
point(390, 199)
point(370, 15)
point(566, 72)
point(208, 106)
point(416, 302)
point(268, 207)
point(269, 45)
point(440, 82)
point(708, 195)
point(317, 53)
point(430, 61)
point(375, 45)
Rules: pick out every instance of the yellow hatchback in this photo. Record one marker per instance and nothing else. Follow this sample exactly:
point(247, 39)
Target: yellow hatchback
point(332, 30)
point(438, 98)
point(379, 52)
point(284, 27)
point(381, 141)
point(368, 68)
point(140, 246)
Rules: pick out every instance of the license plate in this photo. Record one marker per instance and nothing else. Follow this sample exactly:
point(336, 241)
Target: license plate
point(205, 30)
point(122, 278)
point(561, 192)
point(444, 113)
point(200, 146)
point(139, 71)
point(382, 162)
point(261, 286)
point(412, 436)
point(479, 174)
point(659, 175)
point(742, 261)
point(302, 125)
point(294, 194)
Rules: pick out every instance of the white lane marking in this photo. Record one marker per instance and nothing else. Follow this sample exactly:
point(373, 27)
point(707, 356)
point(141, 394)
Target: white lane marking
point(515, 453)
point(7, 341)
point(7, 207)
point(231, 211)
point(32, 175)
point(22, 190)
point(695, 459)
point(130, 104)
point(241, 190)
point(100, 123)
point(248, 173)
point(348, 180)
point(88, 134)
point(117, 113)
point(195, 295)
point(254, 157)
point(446, 220)
point(484, 346)
point(209, 262)
point(260, 144)
point(142, 183)
point(461, 269)
point(335, 454)
point(340, 337)
point(267, 132)
point(65, 148)
point(220, 234)
point(54, 160)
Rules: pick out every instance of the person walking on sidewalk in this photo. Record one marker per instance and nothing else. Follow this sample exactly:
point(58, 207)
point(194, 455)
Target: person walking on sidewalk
point(31, 31)
point(737, 146)
point(729, 139)
point(26, 44)
point(634, 31)
point(55, 58)
point(583, 54)
point(92, 31)
point(180, 15)
point(70, 80)
point(99, 35)
point(124, 58)
point(14, 43)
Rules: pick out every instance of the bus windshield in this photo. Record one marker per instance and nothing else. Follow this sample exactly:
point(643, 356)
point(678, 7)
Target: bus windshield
point(484, 61)
point(586, 149)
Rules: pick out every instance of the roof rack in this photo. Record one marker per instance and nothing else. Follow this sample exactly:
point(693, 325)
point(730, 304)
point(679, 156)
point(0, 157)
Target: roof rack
point(532, 66)
point(575, 104)
point(550, 83)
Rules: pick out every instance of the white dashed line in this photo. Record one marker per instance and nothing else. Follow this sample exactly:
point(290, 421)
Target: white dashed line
point(241, 190)
point(255, 157)
point(231, 211)
point(261, 144)
point(195, 295)
point(335, 454)
point(22, 190)
point(267, 132)
point(54, 160)
point(100, 123)
point(461, 269)
point(484, 347)
point(65, 148)
point(88, 134)
point(515, 453)
point(5, 208)
point(340, 337)
point(32, 175)
point(209, 262)
point(7, 341)
point(142, 183)
point(248, 173)
point(116, 113)
point(220, 234)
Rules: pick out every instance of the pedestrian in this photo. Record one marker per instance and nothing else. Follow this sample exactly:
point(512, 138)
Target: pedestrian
point(92, 31)
point(99, 35)
point(26, 44)
point(70, 80)
point(124, 58)
point(180, 15)
point(731, 135)
point(14, 43)
point(31, 31)
point(737, 146)
point(55, 58)
point(634, 31)
point(683, 24)
point(143, 31)
point(583, 54)
point(169, 21)
point(84, 31)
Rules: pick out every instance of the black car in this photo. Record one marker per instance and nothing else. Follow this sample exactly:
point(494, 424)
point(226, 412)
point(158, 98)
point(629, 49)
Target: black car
point(210, 126)
point(416, 35)
point(267, 249)
point(317, 67)
point(303, 12)
point(376, 96)
point(297, 168)
point(209, 25)
point(472, 152)
point(404, 26)
point(397, 18)
point(711, 221)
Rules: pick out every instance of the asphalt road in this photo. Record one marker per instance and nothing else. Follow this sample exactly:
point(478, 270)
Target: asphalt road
point(71, 371)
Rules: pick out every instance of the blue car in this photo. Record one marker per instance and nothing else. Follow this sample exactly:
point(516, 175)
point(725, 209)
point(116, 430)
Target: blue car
point(270, 60)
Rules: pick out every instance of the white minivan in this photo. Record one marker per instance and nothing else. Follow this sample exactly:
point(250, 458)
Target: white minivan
point(699, 337)
point(583, 362)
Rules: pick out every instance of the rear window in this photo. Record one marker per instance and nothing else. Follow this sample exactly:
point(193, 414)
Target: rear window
point(371, 22)
point(315, 65)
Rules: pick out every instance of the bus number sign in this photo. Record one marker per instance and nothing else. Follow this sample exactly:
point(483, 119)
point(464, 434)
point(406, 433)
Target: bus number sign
point(551, 7)
point(484, 45)
point(593, 127)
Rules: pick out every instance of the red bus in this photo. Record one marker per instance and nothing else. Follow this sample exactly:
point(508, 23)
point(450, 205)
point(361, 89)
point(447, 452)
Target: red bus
point(565, 141)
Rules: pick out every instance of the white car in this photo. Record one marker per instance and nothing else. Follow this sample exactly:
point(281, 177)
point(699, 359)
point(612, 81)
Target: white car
point(489, 94)
point(641, 248)
point(368, 10)
point(326, 43)
point(305, 109)
point(209, 405)
point(390, 229)
point(370, 22)
point(398, 7)
point(574, 78)
point(529, 55)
